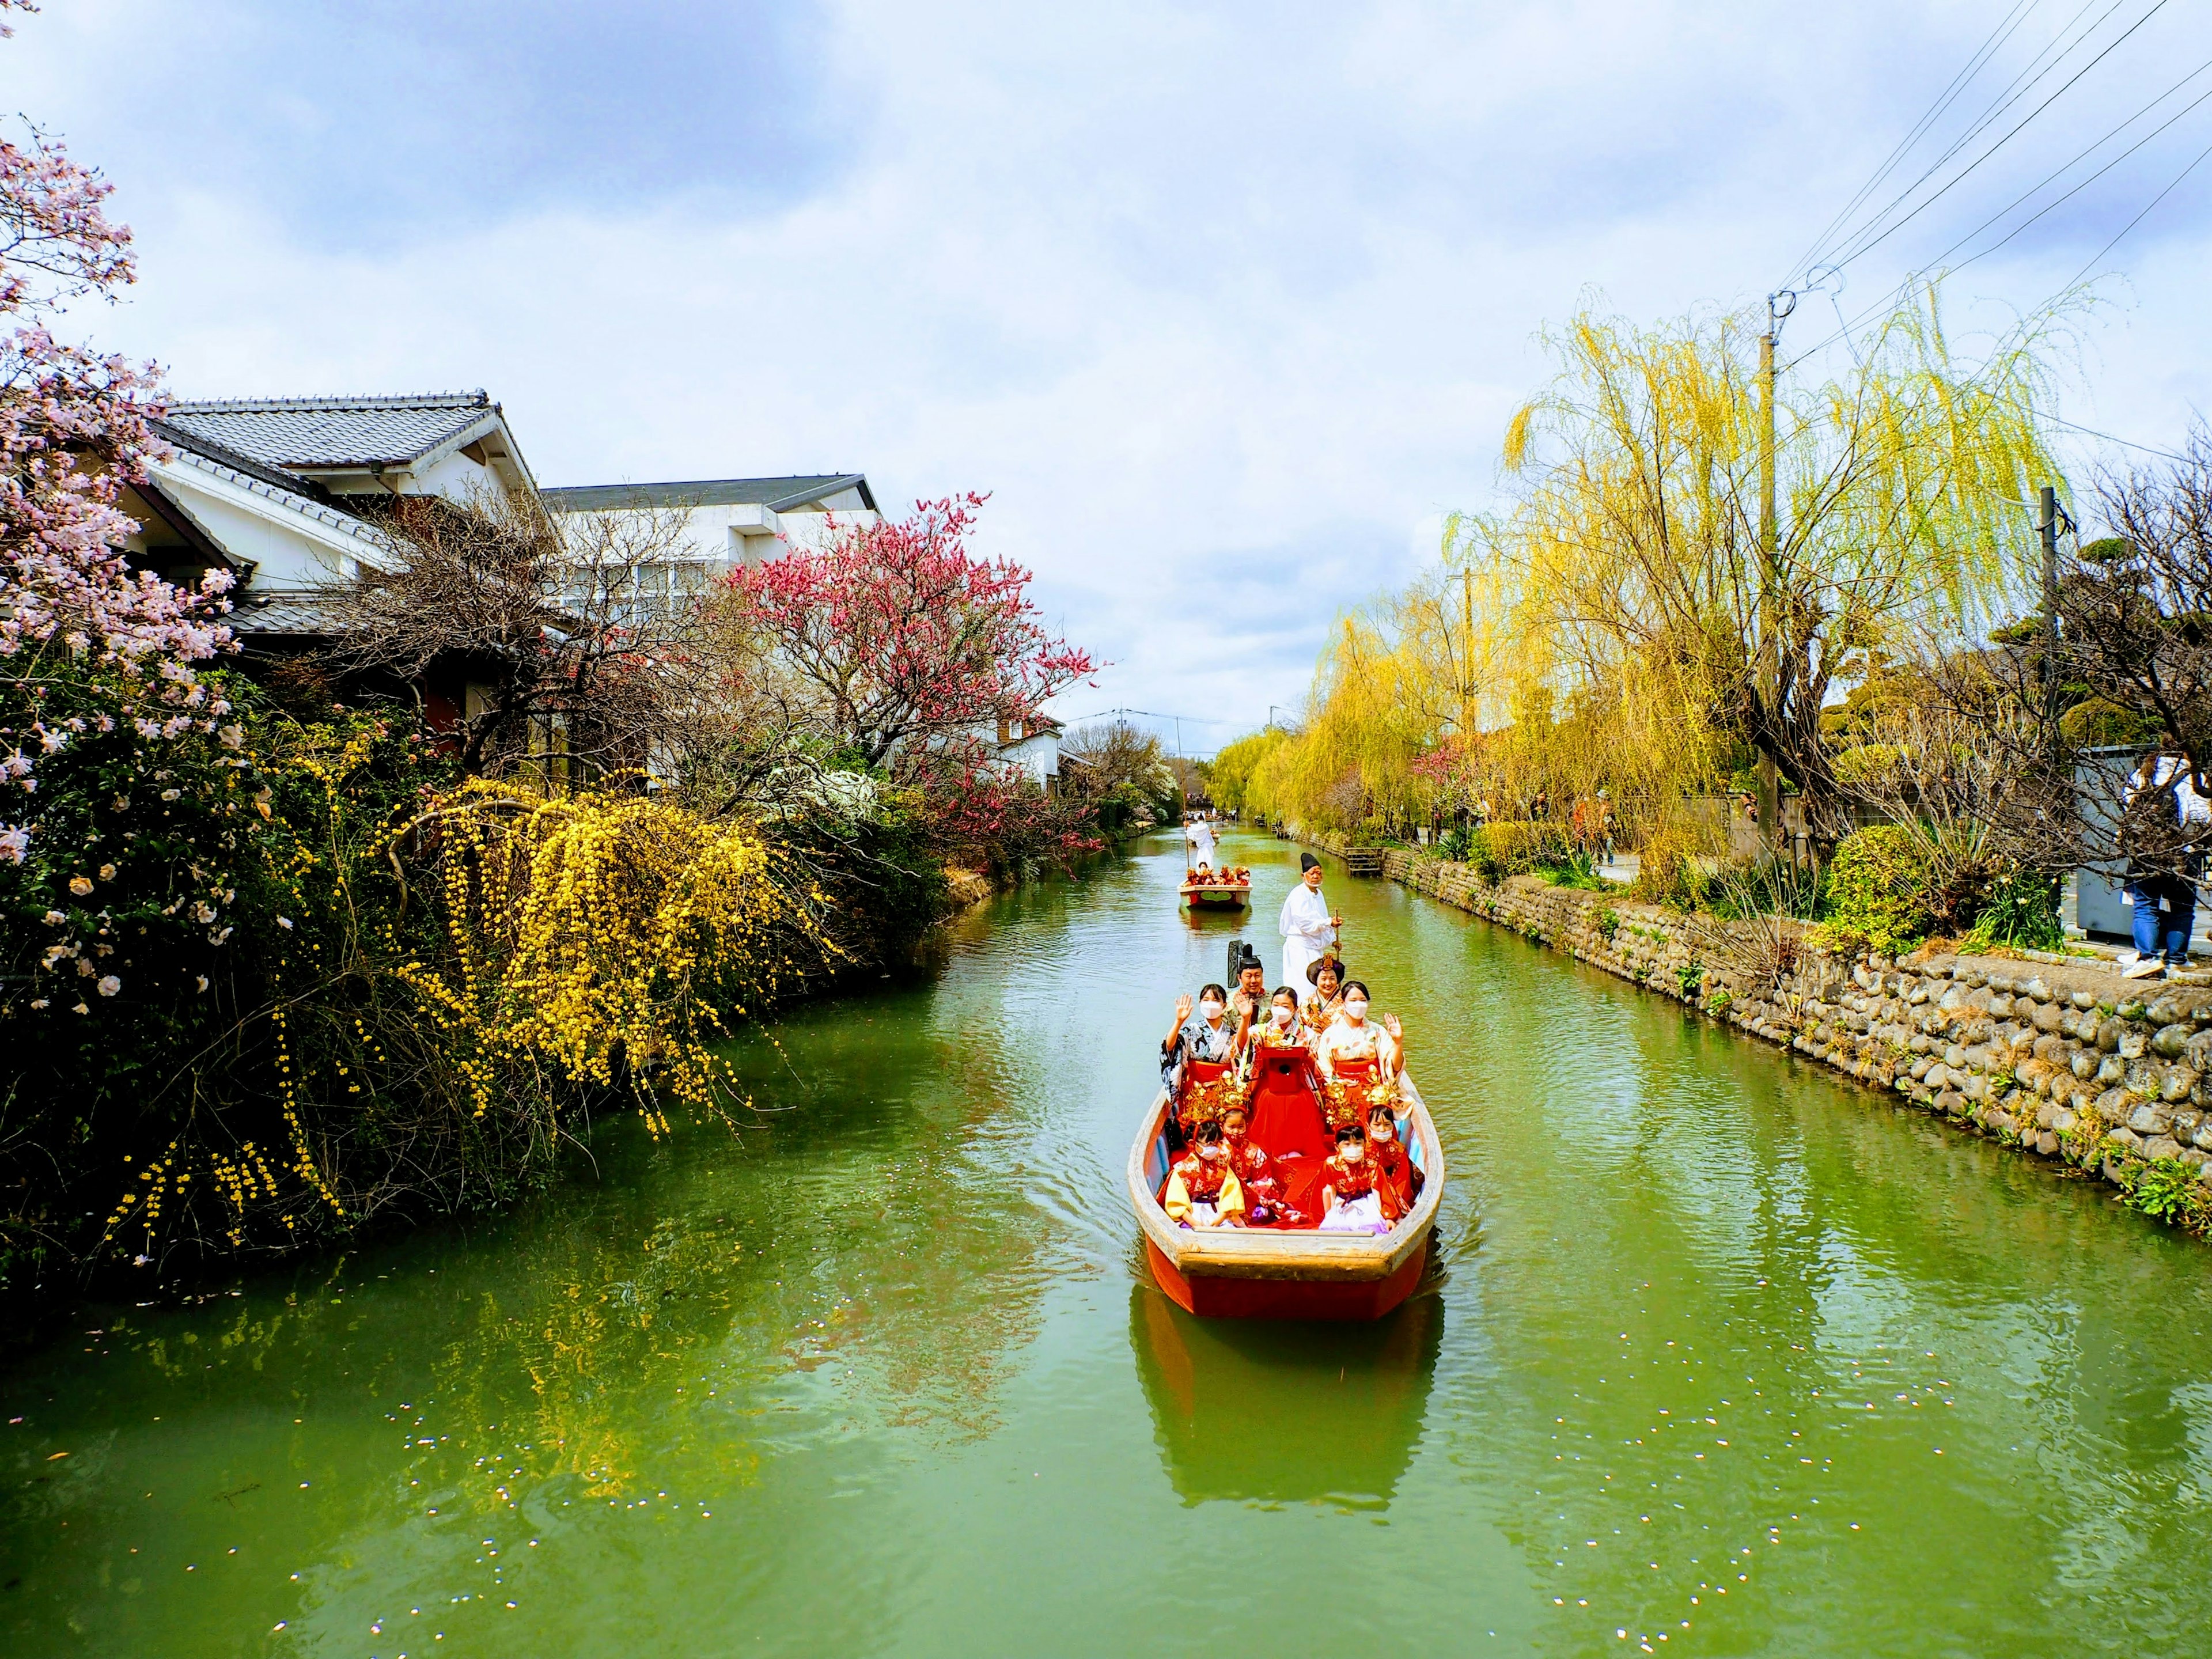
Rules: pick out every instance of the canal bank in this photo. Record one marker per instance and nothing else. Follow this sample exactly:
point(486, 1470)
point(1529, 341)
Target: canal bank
point(2059, 1061)
point(1713, 1351)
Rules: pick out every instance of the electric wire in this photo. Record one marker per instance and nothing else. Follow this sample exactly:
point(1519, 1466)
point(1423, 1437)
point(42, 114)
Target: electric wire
point(2025, 81)
point(2139, 217)
point(1960, 82)
point(1866, 247)
point(2029, 77)
point(1890, 296)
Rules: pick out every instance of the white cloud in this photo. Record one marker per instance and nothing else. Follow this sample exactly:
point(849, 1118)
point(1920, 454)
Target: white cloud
point(1225, 309)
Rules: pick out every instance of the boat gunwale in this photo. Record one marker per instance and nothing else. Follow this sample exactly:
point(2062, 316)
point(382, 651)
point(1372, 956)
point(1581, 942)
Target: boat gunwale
point(1253, 1253)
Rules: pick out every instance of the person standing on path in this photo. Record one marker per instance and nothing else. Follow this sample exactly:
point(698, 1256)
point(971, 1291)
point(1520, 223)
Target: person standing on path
point(2161, 824)
point(1309, 927)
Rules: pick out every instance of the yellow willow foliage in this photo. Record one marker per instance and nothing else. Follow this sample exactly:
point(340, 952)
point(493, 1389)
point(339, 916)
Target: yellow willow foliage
point(1353, 759)
point(1608, 630)
point(1235, 762)
point(1634, 553)
point(602, 935)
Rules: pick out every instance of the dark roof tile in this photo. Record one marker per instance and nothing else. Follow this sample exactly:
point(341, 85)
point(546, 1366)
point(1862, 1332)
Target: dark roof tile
point(313, 433)
point(777, 494)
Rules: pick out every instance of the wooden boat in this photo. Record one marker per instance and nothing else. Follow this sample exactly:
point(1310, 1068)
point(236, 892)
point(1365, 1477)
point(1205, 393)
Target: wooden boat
point(1258, 1272)
point(1223, 894)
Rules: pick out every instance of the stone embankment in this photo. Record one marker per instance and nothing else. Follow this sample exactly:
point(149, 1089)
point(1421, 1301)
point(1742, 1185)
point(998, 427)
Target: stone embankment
point(2061, 1061)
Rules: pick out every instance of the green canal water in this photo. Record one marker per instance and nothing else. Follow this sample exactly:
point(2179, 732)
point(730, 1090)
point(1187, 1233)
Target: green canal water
point(1716, 1352)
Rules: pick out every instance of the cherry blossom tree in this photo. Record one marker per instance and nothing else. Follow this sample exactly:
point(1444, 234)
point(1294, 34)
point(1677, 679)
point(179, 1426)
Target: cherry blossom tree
point(73, 435)
point(915, 646)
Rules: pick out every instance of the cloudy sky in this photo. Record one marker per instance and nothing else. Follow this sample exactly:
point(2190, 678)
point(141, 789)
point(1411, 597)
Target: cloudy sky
point(1226, 305)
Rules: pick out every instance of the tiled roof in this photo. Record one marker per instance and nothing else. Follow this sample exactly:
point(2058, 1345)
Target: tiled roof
point(777, 494)
point(282, 615)
point(296, 432)
point(299, 495)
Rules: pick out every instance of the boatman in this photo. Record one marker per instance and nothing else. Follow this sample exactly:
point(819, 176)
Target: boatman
point(1199, 835)
point(1308, 928)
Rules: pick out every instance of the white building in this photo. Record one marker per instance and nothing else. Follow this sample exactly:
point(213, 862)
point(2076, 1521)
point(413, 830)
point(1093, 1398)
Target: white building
point(729, 522)
point(266, 488)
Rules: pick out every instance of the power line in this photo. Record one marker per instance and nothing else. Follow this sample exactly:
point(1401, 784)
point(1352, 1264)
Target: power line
point(2139, 217)
point(2025, 81)
point(1891, 296)
point(1149, 715)
point(1964, 173)
point(1959, 83)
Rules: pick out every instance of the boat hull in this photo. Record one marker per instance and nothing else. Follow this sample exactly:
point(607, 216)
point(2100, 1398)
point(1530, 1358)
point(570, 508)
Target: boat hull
point(1225, 898)
point(1211, 1297)
point(1257, 1272)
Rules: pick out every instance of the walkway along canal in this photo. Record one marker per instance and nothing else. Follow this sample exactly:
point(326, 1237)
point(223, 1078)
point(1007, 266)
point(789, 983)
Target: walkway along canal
point(1717, 1349)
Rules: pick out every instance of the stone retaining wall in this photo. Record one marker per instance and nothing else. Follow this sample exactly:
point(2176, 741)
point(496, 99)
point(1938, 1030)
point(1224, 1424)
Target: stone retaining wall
point(2060, 1061)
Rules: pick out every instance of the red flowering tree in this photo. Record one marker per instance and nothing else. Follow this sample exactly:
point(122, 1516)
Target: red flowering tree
point(917, 649)
point(86, 644)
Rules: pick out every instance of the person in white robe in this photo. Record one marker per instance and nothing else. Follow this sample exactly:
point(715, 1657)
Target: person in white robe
point(1308, 928)
point(1200, 835)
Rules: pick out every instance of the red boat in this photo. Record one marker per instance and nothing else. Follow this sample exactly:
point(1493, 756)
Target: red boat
point(1231, 895)
point(1264, 1273)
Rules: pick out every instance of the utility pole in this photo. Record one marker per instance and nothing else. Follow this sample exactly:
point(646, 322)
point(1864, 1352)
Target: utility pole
point(1770, 656)
point(2049, 521)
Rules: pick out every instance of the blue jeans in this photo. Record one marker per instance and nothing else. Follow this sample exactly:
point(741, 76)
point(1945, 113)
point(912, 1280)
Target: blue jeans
point(2170, 928)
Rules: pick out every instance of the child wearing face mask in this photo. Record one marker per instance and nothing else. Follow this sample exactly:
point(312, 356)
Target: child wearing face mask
point(1396, 1175)
point(1202, 1189)
point(1265, 1197)
point(1353, 1200)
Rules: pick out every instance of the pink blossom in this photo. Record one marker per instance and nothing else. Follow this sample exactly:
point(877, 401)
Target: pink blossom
point(73, 436)
point(912, 642)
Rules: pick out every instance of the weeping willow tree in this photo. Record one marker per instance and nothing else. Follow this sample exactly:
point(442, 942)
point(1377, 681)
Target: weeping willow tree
point(1619, 625)
point(1633, 551)
point(1353, 760)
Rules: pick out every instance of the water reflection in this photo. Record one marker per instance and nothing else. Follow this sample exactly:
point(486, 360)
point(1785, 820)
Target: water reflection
point(1258, 1410)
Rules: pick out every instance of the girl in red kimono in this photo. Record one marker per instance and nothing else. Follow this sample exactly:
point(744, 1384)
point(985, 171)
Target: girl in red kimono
point(1266, 1203)
point(1394, 1165)
point(1352, 1200)
point(1202, 1189)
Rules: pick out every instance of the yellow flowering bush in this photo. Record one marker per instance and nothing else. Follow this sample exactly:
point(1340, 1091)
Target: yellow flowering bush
point(607, 937)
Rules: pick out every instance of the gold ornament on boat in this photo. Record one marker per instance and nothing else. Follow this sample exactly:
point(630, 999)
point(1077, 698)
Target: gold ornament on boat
point(1205, 1100)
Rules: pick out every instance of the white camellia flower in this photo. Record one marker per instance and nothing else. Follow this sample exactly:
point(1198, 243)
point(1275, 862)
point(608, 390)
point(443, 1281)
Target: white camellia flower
point(109, 985)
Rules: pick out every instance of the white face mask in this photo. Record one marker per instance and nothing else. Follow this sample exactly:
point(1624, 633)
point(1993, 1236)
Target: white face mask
point(1355, 1006)
point(1282, 1015)
point(1210, 1008)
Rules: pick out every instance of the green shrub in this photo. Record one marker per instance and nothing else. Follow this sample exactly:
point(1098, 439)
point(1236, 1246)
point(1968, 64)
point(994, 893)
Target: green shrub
point(1878, 890)
point(1577, 869)
point(2020, 910)
point(1517, 849)
point(2168, 1190)
point(2098, 723)
point(1456, 844)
